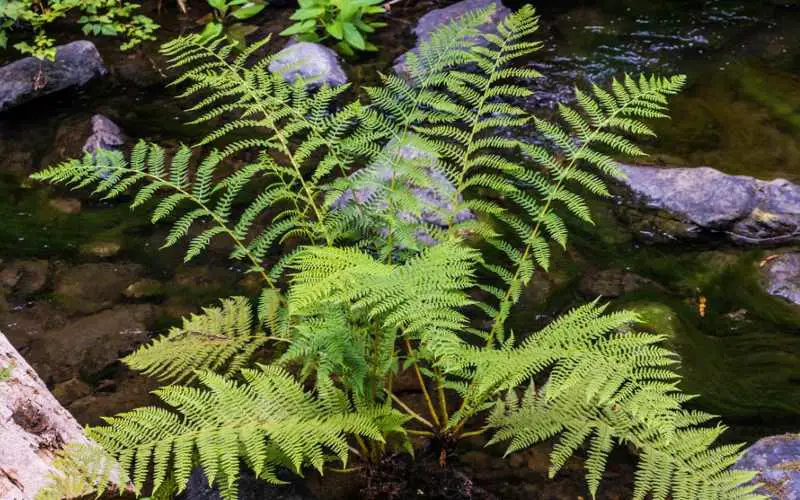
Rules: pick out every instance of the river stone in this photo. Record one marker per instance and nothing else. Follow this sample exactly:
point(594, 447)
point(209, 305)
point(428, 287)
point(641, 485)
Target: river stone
point(87, 346)
point(105, 135)
point(435, 198)
point(777, 460)
point(705, 200)
point(436, 18)
point(311, 62)
point(782, 276)
point(612, 283)
point(75, 64)
point(24, 277)
point(88, 288)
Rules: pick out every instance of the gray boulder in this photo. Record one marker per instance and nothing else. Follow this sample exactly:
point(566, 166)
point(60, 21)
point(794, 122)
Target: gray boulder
point(311, 62)
point(435, 197)
point(781, 277)
point(75, 65)
point(436, 18)
point(704, 200)
point(775, 458)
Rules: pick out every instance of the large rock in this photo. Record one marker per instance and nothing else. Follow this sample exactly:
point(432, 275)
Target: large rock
point(75, 65)
point(315, 64)
point(435, 197)
point(781, 276)
point(704, 200)
point(105, 135)
point(437, 18)
point(777, 459)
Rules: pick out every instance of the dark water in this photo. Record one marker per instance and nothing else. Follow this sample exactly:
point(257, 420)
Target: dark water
point(740, 114)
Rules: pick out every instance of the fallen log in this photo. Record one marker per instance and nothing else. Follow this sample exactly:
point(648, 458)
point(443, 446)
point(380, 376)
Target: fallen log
point(33, 427)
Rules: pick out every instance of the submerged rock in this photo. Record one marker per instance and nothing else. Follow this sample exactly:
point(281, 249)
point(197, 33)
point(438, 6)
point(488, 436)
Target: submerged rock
point(315, 64)
point(105, 135)
point(24, 277)
point(777, 460)
point(613, 283)
point(704, 200)
point(88, 288)
point(782, 276)
point(80, 134)
point(69, 206)
point(437, 18)
point(75, 65)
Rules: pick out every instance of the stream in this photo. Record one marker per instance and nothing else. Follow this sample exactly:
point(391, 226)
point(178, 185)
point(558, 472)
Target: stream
point(95, 284)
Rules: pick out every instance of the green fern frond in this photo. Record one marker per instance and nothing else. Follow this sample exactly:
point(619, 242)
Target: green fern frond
point(80, 470)
point(221, 339)
point(268, 422)
point(609, 385)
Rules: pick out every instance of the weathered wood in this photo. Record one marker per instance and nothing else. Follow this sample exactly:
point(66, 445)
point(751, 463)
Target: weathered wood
point(33, 426)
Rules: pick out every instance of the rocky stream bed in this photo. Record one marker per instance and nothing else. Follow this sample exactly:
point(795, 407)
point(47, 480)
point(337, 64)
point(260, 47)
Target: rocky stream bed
point(703, 241)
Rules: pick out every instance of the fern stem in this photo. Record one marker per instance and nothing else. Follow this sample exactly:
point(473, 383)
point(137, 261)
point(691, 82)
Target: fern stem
point(442, 399)
point(420, 433)
point(416, 416)
point(474, 130)
point(362, 445)
point(428, 400)
point(478, 432)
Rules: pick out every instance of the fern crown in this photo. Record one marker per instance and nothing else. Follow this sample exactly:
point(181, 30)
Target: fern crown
point(410, 229)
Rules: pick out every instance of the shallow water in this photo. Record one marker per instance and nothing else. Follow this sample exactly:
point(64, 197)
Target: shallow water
point(740, 114)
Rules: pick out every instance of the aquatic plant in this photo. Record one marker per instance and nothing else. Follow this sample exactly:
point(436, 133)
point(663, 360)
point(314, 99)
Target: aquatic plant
point(385, 277)
point(97, 17)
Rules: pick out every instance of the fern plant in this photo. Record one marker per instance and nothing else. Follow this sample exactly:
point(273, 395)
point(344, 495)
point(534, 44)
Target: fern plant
point(396, 210)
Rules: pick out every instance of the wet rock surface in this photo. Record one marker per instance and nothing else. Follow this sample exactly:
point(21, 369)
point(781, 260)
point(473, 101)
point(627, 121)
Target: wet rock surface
point(703, 200)
point(612, 283)
point(24, 277)
point(75, 65)
point(315, 64)
point(91, 287)
point(86, 346)
point(777, 460)
point(105, 135)
point(781, 276)
point(436, 18)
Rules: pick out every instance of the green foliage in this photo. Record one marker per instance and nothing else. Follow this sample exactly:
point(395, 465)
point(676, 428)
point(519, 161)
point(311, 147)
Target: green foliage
point(381, 281)
point(232, 10)
point(222, 339)
point(97, 17)
point(347, 22)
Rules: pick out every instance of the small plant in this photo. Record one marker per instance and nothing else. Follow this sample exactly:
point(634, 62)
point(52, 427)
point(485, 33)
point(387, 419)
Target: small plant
point(389, 278)
point(98, 17)
point(231, 10)
point(345, 21)
point(5, 372)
